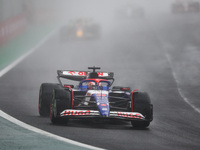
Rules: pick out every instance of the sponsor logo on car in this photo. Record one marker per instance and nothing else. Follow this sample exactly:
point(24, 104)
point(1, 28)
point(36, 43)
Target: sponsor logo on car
point(103, 105)
point(129, 115)
point(82, 73)
point(76, 113)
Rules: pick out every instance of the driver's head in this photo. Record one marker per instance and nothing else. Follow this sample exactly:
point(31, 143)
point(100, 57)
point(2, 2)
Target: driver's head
point(90, 85)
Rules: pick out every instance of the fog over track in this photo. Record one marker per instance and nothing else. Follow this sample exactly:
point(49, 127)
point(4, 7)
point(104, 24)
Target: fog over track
point(135, 50)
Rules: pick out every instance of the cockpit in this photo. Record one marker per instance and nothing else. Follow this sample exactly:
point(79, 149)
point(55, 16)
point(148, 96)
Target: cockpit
point(96, 84)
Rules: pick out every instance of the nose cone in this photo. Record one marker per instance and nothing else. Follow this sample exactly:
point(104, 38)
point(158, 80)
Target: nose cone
point(103, 104)
point(104, 109)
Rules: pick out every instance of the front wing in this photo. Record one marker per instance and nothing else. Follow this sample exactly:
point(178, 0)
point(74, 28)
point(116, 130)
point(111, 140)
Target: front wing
point(71, 113)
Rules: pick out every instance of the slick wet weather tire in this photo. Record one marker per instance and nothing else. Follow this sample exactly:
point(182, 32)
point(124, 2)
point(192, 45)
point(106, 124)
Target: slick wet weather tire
point(142, 104)
point(45, 94)
point(61, 100)
point(54, 113)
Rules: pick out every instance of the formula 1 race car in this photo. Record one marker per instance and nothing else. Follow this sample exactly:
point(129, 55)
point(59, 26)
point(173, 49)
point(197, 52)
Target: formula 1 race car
point(185, 6)
point(193, 6)
point(80, 29)
point(178, 7)
point(93, 98)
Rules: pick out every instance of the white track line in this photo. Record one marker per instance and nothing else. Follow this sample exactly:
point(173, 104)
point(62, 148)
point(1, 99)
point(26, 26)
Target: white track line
point(12, 65)
point(178, 87)
point(167, 55)
point(34, 129)
point(26, 126)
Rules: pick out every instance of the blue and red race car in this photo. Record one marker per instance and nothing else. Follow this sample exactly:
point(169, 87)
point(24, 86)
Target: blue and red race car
point(93, 98)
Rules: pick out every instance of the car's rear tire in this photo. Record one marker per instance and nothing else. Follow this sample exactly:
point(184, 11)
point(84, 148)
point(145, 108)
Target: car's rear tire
point(142, 104)
point(45, 94)
point(61, 100)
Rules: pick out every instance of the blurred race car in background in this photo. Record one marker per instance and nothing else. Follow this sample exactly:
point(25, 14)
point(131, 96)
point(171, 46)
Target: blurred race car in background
point(193, 6)
point(185, 6)
point(130, 11)
point(178, 7)
point(80, 29)
point(93, 98)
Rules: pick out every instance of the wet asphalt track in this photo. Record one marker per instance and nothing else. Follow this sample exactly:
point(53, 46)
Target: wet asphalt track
point(135, 53)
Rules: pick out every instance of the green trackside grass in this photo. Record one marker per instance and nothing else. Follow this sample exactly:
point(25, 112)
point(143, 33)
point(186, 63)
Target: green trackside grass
point(22, 43)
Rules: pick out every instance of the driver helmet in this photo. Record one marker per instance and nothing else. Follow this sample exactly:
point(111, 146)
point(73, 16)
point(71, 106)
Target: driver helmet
point(90, 85)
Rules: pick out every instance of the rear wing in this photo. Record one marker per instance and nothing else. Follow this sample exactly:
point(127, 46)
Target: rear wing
point(80, 75)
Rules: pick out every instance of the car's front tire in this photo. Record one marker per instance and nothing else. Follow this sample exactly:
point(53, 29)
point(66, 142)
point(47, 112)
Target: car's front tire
point(142, 104)
point(45, 94)
point(61, 100)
